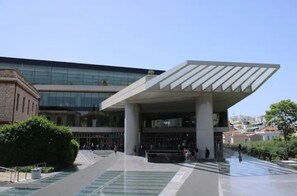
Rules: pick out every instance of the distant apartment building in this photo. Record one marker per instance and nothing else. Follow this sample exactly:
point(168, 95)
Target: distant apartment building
point(248, 129)
point(19, 100)
point(247, 123)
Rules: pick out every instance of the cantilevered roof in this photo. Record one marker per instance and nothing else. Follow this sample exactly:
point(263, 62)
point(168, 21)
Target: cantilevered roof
point(192, 78)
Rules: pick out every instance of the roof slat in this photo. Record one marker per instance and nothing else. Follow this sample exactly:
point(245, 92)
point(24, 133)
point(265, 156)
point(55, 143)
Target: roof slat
point(206, 76)
point(262, 78)
point(216, 77)
point(176, 76)
point(233, 79)
point(187, 76)
point(243, 78)
point(249, 81)
point(197, 76)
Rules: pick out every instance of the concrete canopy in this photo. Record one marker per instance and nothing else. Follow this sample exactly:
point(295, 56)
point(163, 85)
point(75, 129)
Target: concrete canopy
point(177, 88)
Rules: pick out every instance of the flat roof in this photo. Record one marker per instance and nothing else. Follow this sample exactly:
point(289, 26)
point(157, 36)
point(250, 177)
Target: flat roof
point(229, 82)
point(14, 76)
point(75, 65)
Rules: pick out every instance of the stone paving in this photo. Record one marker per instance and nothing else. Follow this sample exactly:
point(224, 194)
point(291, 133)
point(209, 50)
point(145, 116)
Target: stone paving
point(132, 175)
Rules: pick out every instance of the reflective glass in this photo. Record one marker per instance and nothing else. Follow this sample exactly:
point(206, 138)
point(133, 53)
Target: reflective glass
point(62, 75)
point(86, 118)
point(72, 99)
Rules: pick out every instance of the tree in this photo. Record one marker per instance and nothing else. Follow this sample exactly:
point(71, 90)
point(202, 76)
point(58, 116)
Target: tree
point(37, 140)
point(284, 115)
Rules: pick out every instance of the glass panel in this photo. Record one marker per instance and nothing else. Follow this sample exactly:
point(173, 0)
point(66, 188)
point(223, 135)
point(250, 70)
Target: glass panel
point(60, 98)
point(106, 78)
point(90, 77)
point(75, 76)
point(52, 99)
point(120, 78)
point(28, 72)
point(59, 75)
point(42, 75)
point(8, 66)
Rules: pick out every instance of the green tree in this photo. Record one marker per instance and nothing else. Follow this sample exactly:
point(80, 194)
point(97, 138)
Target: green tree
point(37, 140)
point(284, 115)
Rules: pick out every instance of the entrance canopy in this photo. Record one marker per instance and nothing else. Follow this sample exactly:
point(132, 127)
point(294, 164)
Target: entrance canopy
point(228, 82)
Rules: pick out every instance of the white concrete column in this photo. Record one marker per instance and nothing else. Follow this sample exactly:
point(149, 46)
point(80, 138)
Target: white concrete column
point(204, 125)
point(131, 127)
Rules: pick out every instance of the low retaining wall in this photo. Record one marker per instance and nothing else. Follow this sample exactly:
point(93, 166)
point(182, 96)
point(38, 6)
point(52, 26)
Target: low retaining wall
point(165, 156)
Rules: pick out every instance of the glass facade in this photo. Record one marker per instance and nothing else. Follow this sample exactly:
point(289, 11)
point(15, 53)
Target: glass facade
point(100, 140)
point(73, 99)
point(180, 120)
point(75, 109)
point(37, 74)
point(84, 118)
point(172, 140)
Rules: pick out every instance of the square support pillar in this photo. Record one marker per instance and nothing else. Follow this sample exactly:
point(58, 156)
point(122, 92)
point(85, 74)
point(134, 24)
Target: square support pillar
point(204, 125)
point(131, 127)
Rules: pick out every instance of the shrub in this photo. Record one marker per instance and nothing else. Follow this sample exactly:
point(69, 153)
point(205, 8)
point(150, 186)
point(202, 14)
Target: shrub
point(29, 168)
point(36, 140)
point(272, 150)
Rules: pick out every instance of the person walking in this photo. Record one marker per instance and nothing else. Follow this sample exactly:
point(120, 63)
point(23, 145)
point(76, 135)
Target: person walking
point(134, 149)
point(206, 153)
point(115, 149)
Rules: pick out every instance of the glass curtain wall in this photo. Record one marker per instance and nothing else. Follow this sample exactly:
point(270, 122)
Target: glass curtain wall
point(72, 76)
point(180, 120)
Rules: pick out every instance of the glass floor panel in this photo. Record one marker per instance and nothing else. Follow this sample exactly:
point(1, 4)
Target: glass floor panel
point(18, 191)
point(30, 191)
point(128, 183)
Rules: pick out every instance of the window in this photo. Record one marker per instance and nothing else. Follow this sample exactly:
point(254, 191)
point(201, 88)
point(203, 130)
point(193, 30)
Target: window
point(36, 109)
point(23, 106)
point(32, 107)
point(59, 120)
point(28, 108)
point(17, 102)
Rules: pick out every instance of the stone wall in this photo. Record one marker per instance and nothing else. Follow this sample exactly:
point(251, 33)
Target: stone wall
point(21, 114)
point(6, 102)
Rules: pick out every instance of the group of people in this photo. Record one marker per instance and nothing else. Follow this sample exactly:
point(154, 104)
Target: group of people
point(192, 155)
point(115, 148)
point(141, 150)
point(93, 146)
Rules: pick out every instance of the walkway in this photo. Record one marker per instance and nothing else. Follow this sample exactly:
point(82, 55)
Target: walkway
point(133, 175)
point(256, 177)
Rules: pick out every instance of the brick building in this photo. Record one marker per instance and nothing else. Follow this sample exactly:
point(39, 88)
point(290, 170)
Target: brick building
point(19, 100)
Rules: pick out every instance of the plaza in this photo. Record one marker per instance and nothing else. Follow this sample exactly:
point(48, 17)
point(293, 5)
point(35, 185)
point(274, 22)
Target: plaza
point(110, 174)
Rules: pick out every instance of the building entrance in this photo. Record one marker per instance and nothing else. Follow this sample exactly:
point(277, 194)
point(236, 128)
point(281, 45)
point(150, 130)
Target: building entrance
point(168, 141)
point(100, 140)
point(218, 145)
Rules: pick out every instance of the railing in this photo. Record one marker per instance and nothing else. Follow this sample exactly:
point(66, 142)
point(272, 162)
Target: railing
point(7, 173)
point(40, 164)
point(12, 175)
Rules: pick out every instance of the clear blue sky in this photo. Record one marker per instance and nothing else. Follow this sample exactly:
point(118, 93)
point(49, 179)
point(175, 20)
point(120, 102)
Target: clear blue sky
point(159, 35)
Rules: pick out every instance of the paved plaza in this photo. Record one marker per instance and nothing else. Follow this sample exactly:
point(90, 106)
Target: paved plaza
point(104, 173)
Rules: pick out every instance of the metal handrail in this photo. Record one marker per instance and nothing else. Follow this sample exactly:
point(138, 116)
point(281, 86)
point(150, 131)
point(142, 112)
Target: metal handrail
point(5, 169)
point(43, 164)
point(14, 173)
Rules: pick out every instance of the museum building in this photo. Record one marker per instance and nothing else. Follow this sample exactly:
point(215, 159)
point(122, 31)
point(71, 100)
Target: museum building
point(106, 105)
